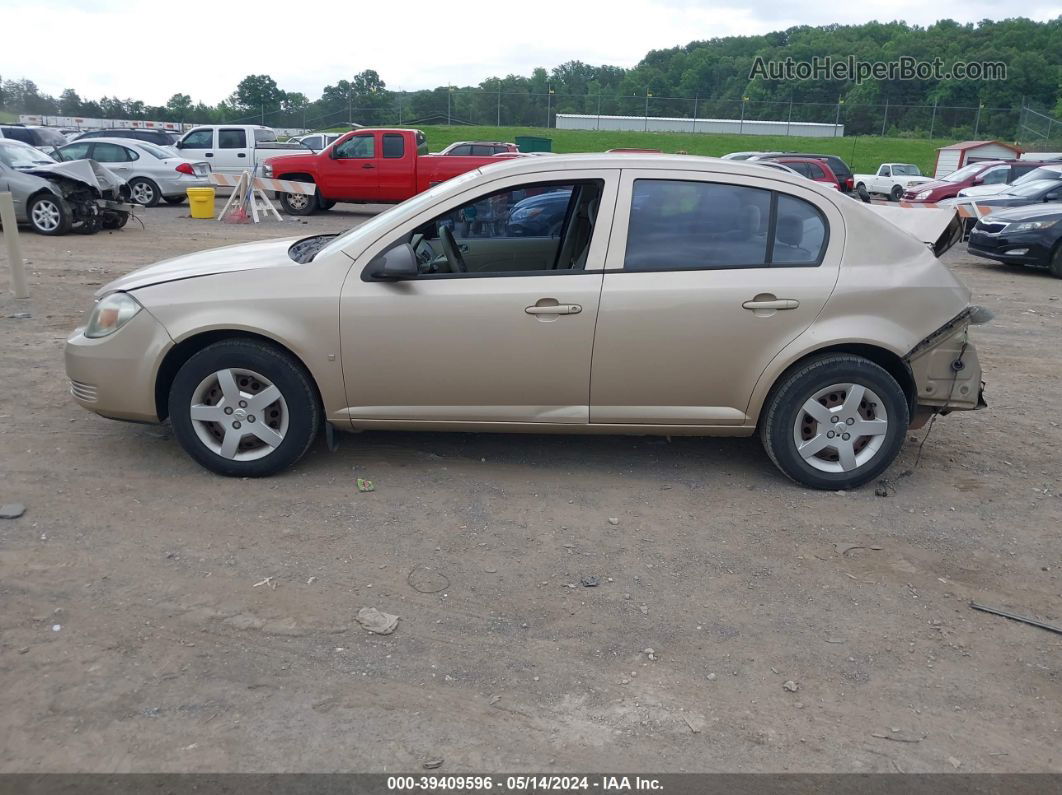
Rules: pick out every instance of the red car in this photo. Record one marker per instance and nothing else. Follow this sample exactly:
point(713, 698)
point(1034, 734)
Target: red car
point(984, 172)
point(810, 167)
point(378, 166)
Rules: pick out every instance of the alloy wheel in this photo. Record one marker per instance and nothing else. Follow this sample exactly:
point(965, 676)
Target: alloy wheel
point(840, 428)
point(143, 193)
point(46, 215)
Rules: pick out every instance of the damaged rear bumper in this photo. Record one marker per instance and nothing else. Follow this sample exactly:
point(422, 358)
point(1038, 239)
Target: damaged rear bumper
point(945, 366)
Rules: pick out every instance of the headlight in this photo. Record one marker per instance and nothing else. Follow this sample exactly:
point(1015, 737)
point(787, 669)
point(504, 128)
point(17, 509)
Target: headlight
point(110, 314)
point(267, 170)
point(1031, 226)
point(923, 194)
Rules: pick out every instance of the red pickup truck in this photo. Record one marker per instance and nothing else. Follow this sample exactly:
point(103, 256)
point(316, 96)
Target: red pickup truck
point(377, 166)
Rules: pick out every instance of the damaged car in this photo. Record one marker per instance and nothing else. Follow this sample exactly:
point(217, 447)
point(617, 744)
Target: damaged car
point(679, 295)
point(56, 198)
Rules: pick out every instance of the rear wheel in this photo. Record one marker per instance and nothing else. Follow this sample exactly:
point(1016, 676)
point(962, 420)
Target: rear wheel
point(144, 191)
point(244, 409)
point(49, 215)
point(836, 422)
point(298, 203)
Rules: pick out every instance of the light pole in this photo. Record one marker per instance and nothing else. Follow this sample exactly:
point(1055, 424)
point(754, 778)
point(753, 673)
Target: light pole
point(549, 102)
point(648, 94)
point(741, 124)
point(449, 95)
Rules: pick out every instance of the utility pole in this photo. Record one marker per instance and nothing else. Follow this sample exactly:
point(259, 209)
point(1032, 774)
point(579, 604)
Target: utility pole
point(837, 118)
point(499, 106)
point(977, 122)
point(449, 94)
point(263, 114)
point(741, 124)
point(885, 119)
point(647, 95)
point(696, 102)
point(933, 121)
point(789, 121)
point(599, 109)
point(549, 102)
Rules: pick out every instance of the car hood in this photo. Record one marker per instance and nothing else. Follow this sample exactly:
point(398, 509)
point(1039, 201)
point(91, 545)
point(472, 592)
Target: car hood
point(228, 259)
point(87, 171)
point(1027, 213)
point(933, 184)
point(983, 190)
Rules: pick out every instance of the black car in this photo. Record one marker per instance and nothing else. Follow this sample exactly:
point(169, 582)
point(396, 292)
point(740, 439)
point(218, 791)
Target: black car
point(840, 168)
point(40, 137)
point(157, 137)
point(1036, 192)
point(1030, 235)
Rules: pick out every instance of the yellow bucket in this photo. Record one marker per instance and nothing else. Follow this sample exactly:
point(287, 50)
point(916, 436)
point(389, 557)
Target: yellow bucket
point(201, 201)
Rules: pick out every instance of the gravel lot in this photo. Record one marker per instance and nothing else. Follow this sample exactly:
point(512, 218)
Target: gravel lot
point(158, 618)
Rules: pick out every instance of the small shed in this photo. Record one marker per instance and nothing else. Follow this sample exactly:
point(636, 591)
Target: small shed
point(952, 158)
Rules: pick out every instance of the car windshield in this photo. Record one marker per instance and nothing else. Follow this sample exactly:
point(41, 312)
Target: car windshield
point(963, 173)
point(22, 156)
point(1032, 188)
point(155, 151)
point(381, 222)
point(905, 170)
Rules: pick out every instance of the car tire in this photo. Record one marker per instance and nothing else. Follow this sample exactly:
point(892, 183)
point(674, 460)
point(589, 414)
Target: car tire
point(144, 191)
point(174, 199)
point(298, 203)
point(48, 215)
point(1055, 263)
point(324, 204)
point(896, 193)
point(212, 405)
point(802, 446)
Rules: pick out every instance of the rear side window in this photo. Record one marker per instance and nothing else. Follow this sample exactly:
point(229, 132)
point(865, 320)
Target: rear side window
point(461, 150)
point(19, 134)
point(394, 145)
point(265, 136)
point(112, 153)
point(481, 150)
point(422, 143)
point(815, 171)
point(685, 225)
point(232, 139)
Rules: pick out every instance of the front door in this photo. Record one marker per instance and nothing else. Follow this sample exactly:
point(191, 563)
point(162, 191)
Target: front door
point(499, 328)
point(352, 168)
point(706, 282)
point(199, 145)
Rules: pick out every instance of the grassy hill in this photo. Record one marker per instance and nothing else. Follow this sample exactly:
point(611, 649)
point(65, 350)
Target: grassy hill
point(862, 153)
point(8, 118)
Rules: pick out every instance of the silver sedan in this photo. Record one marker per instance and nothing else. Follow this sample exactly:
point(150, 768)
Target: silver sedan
point(153, 172)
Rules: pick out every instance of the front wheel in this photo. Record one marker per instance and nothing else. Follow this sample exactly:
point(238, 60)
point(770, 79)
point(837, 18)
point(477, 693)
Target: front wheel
point(244, 409)
point(1055, 266)
point(49, 215)
point(835, 422)
point(896, 193)
point(174, 199)
point(298, 203)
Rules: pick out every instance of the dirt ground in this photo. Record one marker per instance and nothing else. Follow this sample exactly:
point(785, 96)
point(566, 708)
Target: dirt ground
point(158, 618)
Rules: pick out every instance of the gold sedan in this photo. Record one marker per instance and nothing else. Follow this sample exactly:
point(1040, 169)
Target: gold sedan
point(640, 294)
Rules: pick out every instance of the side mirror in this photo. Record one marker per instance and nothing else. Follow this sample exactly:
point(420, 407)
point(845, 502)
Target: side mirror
point(395, 264)
point(179, 145)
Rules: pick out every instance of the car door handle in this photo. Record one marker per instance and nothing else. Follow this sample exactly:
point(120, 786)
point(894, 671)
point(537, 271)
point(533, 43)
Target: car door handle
point(554, 309)
point(368, 165)
point(208, 154)
point(241, 154)
point(774, 303)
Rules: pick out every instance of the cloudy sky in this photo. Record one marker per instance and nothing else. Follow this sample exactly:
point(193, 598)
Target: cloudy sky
point(150, 51)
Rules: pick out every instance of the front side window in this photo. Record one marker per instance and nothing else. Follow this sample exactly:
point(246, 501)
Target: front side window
point(996, 176)
point(529, 228)
point(815, 171)
point(687, 225)
point(111, 153)
point(76, 151)
point(358, 147)
point(232, 139)
point(199, 139)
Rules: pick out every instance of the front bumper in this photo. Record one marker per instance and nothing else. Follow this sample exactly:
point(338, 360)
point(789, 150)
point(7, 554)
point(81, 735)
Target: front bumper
point(1037, 247)
point(115, 376)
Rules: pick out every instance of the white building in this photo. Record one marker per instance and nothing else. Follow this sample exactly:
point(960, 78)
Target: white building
point(955, 156)
point(579, 121)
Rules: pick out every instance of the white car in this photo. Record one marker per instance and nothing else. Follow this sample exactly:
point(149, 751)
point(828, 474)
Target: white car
point(153, 173)
point(891, 179)
point(235, 148)
point(1043, 172)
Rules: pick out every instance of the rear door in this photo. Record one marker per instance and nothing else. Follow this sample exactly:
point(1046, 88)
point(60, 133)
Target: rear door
point(707, 278)
point(117, 158)
point(395, 168)
point(233, 152)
